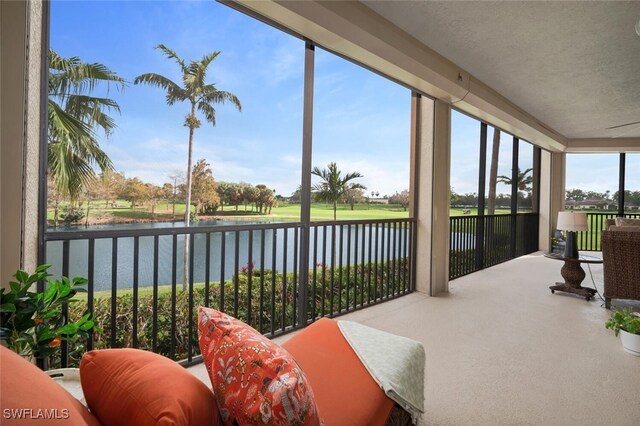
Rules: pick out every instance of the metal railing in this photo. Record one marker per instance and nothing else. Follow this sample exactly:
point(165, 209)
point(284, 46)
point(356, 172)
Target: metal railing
point(477, 242)
point(137, 294)
point(590, 240)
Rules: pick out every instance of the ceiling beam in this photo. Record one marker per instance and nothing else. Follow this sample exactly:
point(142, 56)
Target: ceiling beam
point(604, 145)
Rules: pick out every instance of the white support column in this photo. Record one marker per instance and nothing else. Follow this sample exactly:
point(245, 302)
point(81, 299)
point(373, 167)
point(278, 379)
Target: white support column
point(432, 258)
point(441, 198)
point(544, 212)
point(31, 178)
point(558, 170)
point(20, 134)
point(422, 182)
point(13, 38)
point(552, 190)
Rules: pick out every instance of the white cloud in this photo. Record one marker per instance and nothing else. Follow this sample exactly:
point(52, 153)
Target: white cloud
point(287, 62)
point(292, 160)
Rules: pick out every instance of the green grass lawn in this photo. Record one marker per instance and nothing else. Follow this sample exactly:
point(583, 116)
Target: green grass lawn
point(472, 212)
point(320, 211)
point(142, 291)
point(285, 211)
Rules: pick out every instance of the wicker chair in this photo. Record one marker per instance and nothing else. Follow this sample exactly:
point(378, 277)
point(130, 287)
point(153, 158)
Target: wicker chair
point(621, 255)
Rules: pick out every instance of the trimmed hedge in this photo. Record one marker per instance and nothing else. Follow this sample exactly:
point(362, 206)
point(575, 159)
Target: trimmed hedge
point(275, 314)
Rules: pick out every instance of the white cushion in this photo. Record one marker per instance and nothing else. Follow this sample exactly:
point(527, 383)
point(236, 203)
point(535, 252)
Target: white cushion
point(624, 228)
point(624, 221)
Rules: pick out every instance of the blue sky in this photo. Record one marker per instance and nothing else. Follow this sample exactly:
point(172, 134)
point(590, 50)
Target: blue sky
point(465, 147)
point(361, 120)
point(590, 172)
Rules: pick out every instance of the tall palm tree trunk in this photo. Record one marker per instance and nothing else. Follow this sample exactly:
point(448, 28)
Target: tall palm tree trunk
point(86, 219)
point(201, 96)
point(493, 181)
point(56, 207)
point(187, 212)
point(493, 173)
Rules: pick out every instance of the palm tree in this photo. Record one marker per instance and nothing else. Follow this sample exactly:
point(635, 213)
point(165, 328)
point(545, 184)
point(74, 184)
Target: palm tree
point(74, 117)
point(524, 180)
point(493, 173)
point(333, 186)
point(201, 97)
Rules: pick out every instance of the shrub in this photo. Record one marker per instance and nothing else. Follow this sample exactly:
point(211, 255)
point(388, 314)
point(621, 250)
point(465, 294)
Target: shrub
point(71, 215)
point(273, 303)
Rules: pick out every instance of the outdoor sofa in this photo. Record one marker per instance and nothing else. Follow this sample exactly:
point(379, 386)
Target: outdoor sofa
point(621, 256)
point(130, 386)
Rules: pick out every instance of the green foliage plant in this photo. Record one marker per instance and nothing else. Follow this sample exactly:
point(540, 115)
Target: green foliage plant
point(75, 116)
point(624, 319)
point(333, 185)
point(272, 297)
point(32, 323)
point(71, 215)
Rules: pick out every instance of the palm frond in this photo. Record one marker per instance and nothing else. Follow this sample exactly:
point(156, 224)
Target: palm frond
point(171, 54)
point(212, 95)
point(156, 80)
point(69, 76)
point(207, 59)
point(174, 94)
point(71, 165)
point(64, 125)
point(333, 185)
point(209, 112)
point(351, 176)
point(91, 110)
point(73, 150)
point(201, 67)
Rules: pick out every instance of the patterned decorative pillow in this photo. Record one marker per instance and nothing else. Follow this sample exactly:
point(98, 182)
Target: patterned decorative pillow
point(255, 381)
point(627, 221)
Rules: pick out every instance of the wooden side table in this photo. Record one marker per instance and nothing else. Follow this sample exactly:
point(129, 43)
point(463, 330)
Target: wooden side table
point(573, 275)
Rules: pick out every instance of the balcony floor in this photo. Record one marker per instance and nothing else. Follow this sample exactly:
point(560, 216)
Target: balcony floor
point(501, 349)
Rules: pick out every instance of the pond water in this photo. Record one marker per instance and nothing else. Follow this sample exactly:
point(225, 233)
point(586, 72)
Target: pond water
point(283, 254)
point(462, 241)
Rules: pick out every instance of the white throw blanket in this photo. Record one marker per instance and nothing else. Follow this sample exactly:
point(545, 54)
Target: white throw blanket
point(396, 363)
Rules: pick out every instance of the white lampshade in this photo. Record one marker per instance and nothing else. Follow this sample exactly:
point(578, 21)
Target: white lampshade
point(570, 221)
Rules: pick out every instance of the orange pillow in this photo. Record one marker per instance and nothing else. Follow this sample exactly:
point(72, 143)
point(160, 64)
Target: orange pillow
point(341, 382)
point(256, 382)
point(30, 397)
point(135, 387)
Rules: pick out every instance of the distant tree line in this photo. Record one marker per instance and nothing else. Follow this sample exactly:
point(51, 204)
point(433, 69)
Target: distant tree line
point(207, 195)
point(353, 196)
point(580, 195)
point(503, 201)
point(401, 198)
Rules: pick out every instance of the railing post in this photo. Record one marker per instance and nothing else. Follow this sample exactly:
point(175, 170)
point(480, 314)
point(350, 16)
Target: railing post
point(64, 346)
point(514, 195)
point(414, 184)
point(43, 166)
point(305, 189)
point(621, 185)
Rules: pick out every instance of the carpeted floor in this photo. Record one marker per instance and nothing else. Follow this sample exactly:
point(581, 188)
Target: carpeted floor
point(502, 350)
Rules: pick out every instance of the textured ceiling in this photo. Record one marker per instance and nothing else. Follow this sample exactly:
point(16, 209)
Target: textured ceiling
point(575, 66)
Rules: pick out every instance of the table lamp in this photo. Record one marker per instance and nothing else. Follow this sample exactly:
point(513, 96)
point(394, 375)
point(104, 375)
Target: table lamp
point(572, 223)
